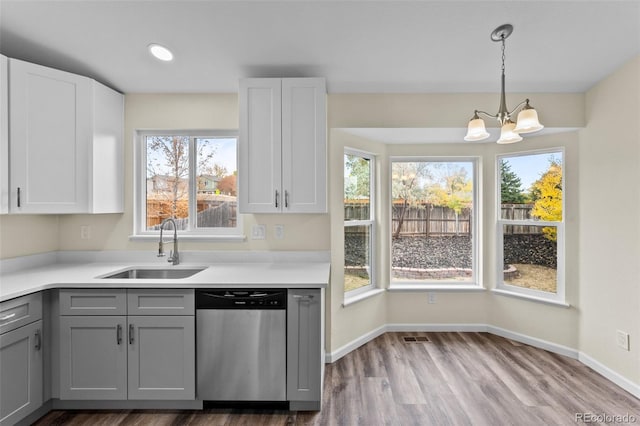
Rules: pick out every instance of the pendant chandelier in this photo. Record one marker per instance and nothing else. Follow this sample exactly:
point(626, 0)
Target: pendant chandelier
point(527, 121)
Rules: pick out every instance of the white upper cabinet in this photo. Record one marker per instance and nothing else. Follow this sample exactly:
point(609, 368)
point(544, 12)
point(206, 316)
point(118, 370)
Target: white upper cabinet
point(4, 134)
point(65, 139)
point(283, 145)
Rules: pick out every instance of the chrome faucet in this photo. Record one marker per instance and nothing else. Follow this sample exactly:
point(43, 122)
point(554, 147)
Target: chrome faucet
point(174, 256)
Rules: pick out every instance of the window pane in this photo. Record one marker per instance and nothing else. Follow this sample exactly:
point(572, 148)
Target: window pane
point(216, 192)
point(432, 217)
point(531, 187)
point(167, 180)
point(357, 257)
point(531, 257)
point(357, 188)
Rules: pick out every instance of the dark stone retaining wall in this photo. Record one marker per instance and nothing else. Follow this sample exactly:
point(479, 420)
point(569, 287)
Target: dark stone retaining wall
point(454, 252)
point(530, 249)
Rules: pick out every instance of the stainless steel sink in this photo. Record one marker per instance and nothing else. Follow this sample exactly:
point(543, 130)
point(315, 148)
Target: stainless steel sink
point(156, 274)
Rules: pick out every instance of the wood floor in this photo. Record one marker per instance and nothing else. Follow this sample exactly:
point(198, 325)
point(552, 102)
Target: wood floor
point(453, 379)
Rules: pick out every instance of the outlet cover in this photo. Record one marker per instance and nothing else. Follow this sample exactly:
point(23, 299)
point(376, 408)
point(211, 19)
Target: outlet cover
point(258, 232)
point(279, 232)
point(85, 232)
point(431, 297)
point(622, 339)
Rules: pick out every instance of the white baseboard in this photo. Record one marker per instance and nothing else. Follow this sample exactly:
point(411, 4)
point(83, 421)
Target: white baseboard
point(605, 371)
point(623, 382)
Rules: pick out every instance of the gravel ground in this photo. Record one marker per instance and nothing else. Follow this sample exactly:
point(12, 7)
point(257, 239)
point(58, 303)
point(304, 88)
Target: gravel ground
point(432, 253)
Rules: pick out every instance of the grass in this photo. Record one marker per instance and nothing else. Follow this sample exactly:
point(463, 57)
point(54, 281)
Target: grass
point(354, 281)
point(535, 277)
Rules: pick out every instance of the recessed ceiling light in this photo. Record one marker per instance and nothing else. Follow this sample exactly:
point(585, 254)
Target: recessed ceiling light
point(160, 52)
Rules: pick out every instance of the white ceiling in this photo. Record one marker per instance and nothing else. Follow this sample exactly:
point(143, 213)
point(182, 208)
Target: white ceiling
point(359, 46)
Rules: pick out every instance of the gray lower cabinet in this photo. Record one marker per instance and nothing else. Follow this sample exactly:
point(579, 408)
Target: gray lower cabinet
point(304, 348)
point(119, 357)
point(162, 357)
point(93, 357)
point(20, 372)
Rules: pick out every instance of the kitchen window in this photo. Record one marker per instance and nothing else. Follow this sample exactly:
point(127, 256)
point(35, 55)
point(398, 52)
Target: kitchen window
point(530, 224)
point(359, 222)
point(190, 177)
point(434, 223)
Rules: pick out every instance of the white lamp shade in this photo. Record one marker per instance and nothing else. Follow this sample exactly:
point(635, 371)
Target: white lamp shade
point(507, 133)
point(528, 121)
point(476, 130)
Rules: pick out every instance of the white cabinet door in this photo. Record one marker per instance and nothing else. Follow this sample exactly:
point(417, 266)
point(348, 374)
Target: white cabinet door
point(49, 138)
point(93, 357)
point(282, 146)
point(162, 357)
point(4, 135)
point(21, 361)
point(304, 347)
point(260, 146)
point(304, 145)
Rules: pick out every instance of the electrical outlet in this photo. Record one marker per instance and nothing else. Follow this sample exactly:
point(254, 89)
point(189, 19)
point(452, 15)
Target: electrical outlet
point(431, 297)
point(622, 339)
point(258, 232)
point(85, 232)
point(279, 232)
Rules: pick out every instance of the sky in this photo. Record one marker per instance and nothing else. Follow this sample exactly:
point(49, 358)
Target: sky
point(530, 167)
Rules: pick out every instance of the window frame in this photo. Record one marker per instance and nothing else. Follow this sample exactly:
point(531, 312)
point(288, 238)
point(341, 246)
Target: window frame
point(559, 297)
point(371, 223)
point(140, 186)
point(476, 262)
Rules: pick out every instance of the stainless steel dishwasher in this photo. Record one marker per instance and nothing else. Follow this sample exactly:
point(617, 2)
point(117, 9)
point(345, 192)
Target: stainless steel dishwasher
point(241, 344)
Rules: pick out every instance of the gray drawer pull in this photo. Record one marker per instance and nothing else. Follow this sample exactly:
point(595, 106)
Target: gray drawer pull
point(38, 344)
point(301, 297)
point(131, 332)
point(119, 334)
point(7, 317)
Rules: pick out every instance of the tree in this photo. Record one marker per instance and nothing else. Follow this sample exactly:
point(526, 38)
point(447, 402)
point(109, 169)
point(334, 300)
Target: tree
point(168, 161)
point(547, 192)
point(510, 185)
point(406, 179)
point(227, 185)
point(357, 176)
point(451, 187)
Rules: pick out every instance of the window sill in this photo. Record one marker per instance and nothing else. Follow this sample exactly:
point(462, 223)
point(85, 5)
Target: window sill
point(361, 296)
point(436, 287)
point(530, 298)
point(191, 237)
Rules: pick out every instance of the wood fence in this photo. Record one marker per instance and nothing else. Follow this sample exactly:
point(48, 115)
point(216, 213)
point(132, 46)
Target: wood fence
point(222, 215)
point(427, 219)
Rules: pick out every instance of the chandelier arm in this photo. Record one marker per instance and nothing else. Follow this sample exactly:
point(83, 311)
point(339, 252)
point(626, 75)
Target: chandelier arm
point(526, 101)
point(486, 114)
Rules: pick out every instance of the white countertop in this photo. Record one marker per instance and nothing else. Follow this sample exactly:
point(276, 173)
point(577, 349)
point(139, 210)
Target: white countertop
point(282, 272)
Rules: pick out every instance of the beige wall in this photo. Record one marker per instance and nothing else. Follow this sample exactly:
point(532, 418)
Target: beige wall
point(610, 221)
point(604, 158)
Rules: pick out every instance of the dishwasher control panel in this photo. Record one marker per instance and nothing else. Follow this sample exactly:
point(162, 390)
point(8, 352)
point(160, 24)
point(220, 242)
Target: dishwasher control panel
point(241, 299)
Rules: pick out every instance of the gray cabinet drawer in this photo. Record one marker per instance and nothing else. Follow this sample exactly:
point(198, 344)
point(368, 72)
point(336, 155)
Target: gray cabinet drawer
point(161, 302)
point(93, 302)
point(17, 312)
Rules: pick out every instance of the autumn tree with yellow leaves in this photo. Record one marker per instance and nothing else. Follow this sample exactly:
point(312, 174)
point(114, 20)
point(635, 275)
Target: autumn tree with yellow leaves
point(547, 195)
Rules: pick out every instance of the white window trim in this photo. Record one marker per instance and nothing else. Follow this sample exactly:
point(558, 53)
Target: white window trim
point(559, 297)
point(359, 293)
point(140, 184)
point(476, 261)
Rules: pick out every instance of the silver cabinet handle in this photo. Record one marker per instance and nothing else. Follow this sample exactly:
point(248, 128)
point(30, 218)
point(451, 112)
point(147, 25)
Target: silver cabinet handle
point(131, 332)
point(119, 334)
point(18, 196)
point(286, 199)
point(277, 198)
point(6, 317)
point(38, 344)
